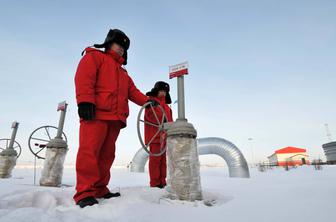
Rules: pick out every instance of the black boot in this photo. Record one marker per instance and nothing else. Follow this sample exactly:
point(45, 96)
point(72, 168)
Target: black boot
point(110, 195)
point(87, 201)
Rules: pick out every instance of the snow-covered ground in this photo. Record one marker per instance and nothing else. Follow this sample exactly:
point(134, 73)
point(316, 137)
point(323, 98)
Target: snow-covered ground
point(301, 194)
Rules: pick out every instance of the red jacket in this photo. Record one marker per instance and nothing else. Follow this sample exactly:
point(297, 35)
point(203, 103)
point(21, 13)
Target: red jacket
point(101, 80)
point(149, 116)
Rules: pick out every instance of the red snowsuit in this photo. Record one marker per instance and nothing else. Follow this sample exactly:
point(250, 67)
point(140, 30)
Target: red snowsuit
point(101, 80)
point(157, 164)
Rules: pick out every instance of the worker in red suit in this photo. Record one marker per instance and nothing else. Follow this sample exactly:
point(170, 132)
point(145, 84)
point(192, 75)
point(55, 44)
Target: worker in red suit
point(103, 88)
point(157, 142)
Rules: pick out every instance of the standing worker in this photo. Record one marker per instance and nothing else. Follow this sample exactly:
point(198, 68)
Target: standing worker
point(157, 164)
point(103, 88)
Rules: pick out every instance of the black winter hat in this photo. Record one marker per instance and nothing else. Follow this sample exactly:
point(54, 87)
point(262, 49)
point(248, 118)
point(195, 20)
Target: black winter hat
point(160, 85)
point(116, 36)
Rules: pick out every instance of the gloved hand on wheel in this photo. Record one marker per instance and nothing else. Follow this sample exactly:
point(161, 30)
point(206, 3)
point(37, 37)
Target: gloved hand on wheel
point(153, 102)
point(87, 111)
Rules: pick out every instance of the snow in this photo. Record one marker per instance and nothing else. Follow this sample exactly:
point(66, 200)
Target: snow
point(301, 194)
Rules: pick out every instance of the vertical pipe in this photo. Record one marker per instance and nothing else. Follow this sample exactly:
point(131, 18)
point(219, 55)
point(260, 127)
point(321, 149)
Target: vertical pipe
point(15, 126)
point(180, 97)
point(61, 122)
point(34, 170)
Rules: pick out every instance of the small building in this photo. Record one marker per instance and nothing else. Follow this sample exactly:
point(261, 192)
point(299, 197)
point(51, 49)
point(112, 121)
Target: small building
point(290, 156)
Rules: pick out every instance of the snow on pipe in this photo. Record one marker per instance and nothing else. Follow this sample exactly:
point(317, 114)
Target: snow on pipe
point(211, 145)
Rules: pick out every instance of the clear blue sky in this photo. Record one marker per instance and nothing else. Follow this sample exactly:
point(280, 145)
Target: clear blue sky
point(259, 69)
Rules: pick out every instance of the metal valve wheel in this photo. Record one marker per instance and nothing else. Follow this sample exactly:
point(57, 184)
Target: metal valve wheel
point(39, 139)
point(141, 122)
point(4, 144)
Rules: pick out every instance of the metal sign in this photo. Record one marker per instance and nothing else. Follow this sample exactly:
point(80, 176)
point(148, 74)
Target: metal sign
point(15, 124)
point(62, 106)
point(178, 70)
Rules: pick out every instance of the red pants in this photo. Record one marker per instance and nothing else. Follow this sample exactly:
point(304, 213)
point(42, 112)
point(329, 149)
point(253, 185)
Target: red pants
point(157, 166)
point(95, 156)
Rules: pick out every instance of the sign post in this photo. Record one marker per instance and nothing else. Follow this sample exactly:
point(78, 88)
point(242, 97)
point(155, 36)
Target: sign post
point(179, 71)
point(63, 108)
point(182, 147)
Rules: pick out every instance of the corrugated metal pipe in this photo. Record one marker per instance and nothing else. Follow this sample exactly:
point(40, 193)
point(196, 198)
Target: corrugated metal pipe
point(211, 145)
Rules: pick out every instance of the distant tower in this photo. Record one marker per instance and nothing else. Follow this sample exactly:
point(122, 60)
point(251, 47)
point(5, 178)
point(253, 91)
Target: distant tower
point(328, 132)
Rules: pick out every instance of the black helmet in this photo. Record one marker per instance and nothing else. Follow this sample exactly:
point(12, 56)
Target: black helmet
point(116, 36)
point(160, 85)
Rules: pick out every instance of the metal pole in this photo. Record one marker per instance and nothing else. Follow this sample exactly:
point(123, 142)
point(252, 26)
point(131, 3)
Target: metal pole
point(180, 96)
point(61, 122)
point(252, 153)
point(15, 126)
point(35, 171)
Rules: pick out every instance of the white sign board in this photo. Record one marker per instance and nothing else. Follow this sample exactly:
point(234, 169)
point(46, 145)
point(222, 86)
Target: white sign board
point(178, 70)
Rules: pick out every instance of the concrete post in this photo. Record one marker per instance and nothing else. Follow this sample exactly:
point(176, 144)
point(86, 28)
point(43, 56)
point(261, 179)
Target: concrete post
point(55, 155)
point(184, 181)
point(9, 155)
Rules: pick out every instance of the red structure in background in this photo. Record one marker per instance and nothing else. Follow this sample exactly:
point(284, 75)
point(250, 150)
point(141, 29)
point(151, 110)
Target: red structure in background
point(289, 156)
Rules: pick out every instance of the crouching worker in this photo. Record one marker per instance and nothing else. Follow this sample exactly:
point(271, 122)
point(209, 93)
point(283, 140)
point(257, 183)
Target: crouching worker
point(157, 164)
point(103, 88)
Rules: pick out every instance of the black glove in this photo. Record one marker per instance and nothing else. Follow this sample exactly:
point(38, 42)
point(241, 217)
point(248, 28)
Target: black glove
point(152, 102)
point(87, 111)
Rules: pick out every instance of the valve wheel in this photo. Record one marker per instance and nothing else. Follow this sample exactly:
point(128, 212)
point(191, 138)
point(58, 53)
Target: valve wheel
point(4, 144)
point(39, 139)
point(159, 124)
